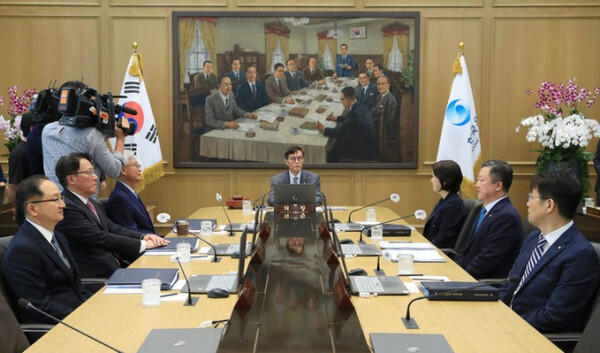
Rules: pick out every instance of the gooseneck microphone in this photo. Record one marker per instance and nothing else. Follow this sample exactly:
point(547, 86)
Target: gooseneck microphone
point(410, 322)
point(418, 214)
point(220, 200)
point(190, 301)
point(165, 217)
point(26, 304)
point(393, 197)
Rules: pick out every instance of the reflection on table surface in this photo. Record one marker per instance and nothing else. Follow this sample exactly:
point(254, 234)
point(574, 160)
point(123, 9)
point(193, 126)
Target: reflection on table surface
point(268, 145)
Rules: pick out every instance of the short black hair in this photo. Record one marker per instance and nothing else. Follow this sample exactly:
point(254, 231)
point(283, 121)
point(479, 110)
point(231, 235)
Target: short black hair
point(560, 185)
point(28, 189)
point(206, 62)
point(379, 66)
point(68, 165)
point(222, 78)
point(234, 59)
point(293, 150)
point(449, 174)
point(290, 59)
point(500, 171)
point(344, 45)
point(349, 92)
point(26, 123)
point(278, 65)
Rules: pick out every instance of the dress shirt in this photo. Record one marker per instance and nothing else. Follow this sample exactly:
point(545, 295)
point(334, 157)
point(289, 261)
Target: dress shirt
point(47, 234)
point(491, 205)
point(292, 176)
point(553, 236)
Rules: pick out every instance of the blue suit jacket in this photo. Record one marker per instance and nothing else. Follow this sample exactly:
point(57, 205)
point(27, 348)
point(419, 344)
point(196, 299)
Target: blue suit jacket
point(369, 97)
point(126, 209)
point(491, 251)
point(306, 177)
point(297, 82)
point(445, 221)
point(355, 135)
point(245, 99)
point(231, 75)
point(557, 294)
point(33, 270)
point(340, 64)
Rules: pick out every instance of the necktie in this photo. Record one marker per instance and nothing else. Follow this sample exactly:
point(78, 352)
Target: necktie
point(535, 257)
point(312, 72)
point(253, 88)
point(59, 251)
point(481, 217)
point(227, 104)
point(237, 75)
point(343, 57)
point(207, 77)
point(93, 209)
point(295, 180)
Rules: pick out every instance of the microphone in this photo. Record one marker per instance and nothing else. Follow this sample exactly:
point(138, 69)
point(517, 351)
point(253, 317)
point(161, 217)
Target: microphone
point(393, 197)
point(410, 323)
point(165, 217)
point(262, 197)
point(190, 301)
point(418, 214)
point(127, 110)
point(220, 200)
point(26, 304)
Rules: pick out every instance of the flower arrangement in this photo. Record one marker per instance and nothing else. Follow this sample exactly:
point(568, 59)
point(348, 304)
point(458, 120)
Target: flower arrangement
point(564, 138)
point(16, 107)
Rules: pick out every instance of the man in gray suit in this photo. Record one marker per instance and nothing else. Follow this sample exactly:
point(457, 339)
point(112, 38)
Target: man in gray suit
point(221, 109)
point(384, 114)
point(276, 86)
point(294, 159)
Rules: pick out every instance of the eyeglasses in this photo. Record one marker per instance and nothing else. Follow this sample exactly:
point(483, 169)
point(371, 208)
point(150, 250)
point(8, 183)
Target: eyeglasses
point(56, 200)
point(294, 159)
point(89, 173)
point(137, 165)
point(530, 197)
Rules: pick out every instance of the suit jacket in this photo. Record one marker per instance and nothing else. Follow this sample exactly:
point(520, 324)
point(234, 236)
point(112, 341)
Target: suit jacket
point(372, 77)
point(310, 77)
point(231, 75)
point(246, 101)
point(128, 210)
point(369, 97)
point(558, 292)
point(13, 338)
point(492, 249)
point(200, 81)
point(93, 241)
point(275, 92)
point(355, 135)
point(597, 166)
point(296, 82)
point(217, 115)
point(340, 64)
point(33, 270)
point(384, 112)
point(445, 221)
point(306, 177)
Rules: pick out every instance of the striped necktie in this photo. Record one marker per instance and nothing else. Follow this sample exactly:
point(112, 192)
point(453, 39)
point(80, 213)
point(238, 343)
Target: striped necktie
point(295, 180)
point(535, 257)
point(227, 104)
point(59, 251)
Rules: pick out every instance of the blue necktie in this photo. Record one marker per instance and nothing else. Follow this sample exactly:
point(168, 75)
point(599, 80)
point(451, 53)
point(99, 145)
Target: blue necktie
point(59, 251)
point(481, 217)
point(295, 180)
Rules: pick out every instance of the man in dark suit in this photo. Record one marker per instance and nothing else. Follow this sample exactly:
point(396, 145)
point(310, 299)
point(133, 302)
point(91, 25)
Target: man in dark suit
point(124, 206)
point(221, 109)
point(366, 92)
point(251, 95)
point(276, 86)
point(557, 265)
point(95, 239)
point(354, 132)
point(293, 77)
point(206, 79)
point(294, 159)
point(495, 236)
point(384, 114)
point(312, 72)
point(370, 70)
point(344, 63)
point(236, 73)
point(38, 264)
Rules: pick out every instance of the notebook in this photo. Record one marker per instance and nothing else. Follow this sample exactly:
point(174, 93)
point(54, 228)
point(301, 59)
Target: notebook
point(133, 277)
point(407, 342)
point(182, 340)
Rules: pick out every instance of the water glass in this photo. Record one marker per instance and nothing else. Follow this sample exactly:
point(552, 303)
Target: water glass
point(405, 264)
point(377, 232)
point(151, 292)
point(589, 202)
point(371, 215)
point(182, 227)
point(247, 206)
point(206, 228)
point(183, 252)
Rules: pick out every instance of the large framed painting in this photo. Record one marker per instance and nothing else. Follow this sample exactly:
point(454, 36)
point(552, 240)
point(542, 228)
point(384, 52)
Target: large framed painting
point(248, 85)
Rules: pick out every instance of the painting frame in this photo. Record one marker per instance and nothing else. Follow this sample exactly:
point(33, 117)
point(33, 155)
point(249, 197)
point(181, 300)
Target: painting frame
point(186, 143)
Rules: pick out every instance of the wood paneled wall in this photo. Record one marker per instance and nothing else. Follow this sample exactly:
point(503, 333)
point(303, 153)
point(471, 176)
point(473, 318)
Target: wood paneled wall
point(511, 46)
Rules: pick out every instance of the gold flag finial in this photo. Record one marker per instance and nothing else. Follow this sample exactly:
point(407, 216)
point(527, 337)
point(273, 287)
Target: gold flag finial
point(134, 45)
point(456, 68)
point(137, 66)
point(461, 46)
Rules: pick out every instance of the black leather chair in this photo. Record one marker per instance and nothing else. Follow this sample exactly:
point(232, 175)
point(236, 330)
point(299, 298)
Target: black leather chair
point(472, 208)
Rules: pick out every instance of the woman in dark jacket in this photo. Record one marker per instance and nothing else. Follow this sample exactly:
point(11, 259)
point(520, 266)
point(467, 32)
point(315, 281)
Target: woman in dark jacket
point(449, 214)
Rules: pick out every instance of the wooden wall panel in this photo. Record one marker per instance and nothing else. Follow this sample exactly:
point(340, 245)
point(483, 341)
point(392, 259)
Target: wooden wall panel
point(423, 3)
point(167, 3)
point(51, 2)
point(296, 4)
point(539, 3)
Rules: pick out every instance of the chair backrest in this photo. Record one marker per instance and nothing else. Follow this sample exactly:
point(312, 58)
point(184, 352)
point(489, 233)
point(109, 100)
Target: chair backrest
point(590, 340)
point(472, 208)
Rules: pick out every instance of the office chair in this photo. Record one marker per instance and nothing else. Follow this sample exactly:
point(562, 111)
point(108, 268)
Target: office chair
point(472, 208)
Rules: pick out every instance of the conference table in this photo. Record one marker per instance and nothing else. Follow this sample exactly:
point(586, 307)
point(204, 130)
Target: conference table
point(268, 145)
point(121, 321)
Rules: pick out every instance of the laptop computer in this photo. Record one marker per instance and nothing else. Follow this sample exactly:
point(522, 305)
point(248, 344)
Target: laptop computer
point(228, 249)
point(407, 342)
point(361, 249)
point(182, 340)
point(303, 194)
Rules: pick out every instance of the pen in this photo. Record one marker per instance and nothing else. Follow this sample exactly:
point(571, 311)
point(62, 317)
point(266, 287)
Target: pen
point(168, 295)
point(411, 274)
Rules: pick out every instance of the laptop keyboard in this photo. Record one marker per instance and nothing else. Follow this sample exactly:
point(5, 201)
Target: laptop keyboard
point(232, 248)
point(223, 282)
point(351, 249)
point(367, 284)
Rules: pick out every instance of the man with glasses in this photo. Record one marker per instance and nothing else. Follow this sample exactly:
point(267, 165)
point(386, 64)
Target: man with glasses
point(276, 86)
point(38, 264)
point(294, 159)
point(354, 132)
point(95, 240)
point(557, 265)
point(124, 206)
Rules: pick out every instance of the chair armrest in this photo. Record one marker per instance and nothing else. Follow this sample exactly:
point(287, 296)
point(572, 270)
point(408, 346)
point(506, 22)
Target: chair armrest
point(563, 336)
point(448, 252)
point(37, 328)
point(91, 280)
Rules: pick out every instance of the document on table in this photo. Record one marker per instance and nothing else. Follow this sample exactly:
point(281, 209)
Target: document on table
point(247, 127)
point(267, 116)
point(422, 252)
